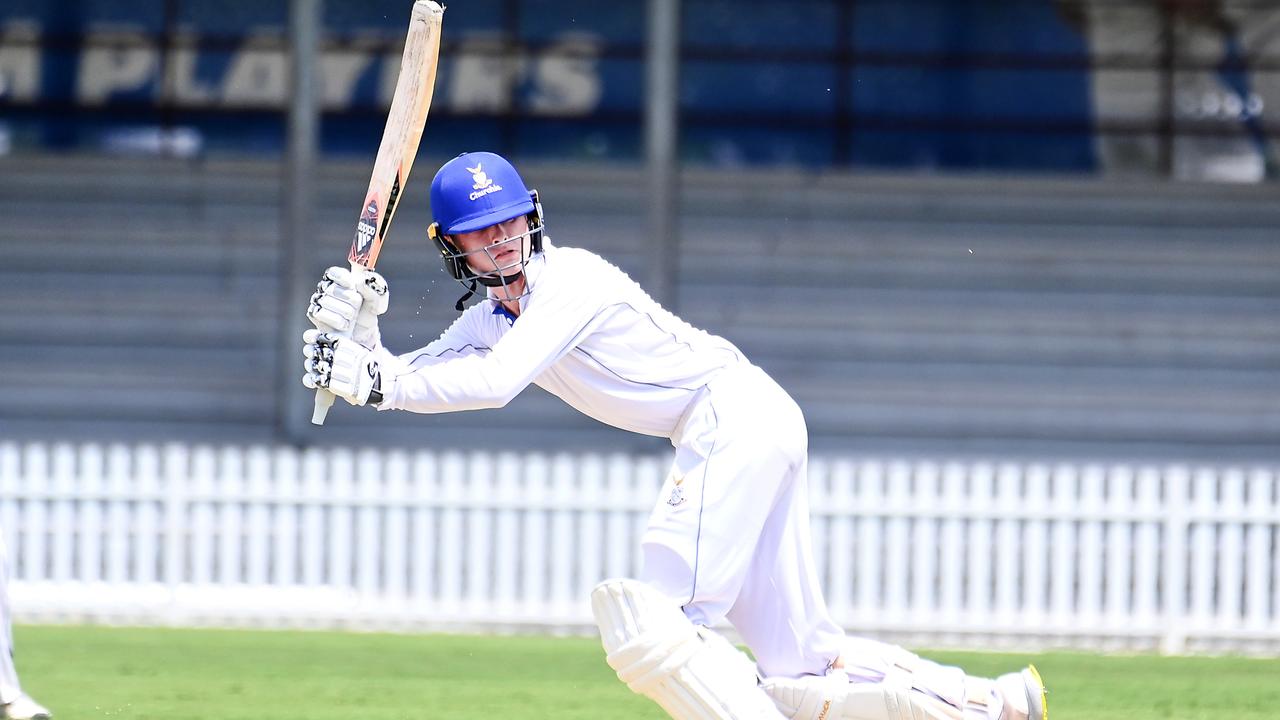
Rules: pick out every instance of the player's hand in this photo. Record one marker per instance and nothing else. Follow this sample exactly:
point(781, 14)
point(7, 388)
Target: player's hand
point(347, 302)
point(347, 368)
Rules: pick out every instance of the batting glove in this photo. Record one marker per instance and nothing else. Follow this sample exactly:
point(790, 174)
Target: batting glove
point(346, 368)
point(349, 302)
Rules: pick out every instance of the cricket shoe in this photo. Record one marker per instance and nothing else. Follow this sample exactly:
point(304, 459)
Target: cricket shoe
point(1024, 694)
point(24, 708)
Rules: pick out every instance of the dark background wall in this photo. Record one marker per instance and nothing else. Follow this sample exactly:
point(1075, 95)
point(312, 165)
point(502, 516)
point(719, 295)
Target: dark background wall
point(981, 227)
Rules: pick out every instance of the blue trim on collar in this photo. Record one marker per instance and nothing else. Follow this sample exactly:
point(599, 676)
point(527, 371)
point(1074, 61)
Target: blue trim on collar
point(500, 309)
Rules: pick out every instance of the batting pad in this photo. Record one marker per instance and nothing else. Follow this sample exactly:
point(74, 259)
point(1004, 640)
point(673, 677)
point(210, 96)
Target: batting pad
point(692, 672)
point(833, 697)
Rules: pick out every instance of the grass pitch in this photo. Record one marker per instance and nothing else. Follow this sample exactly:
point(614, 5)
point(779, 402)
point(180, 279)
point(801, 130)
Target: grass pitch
point(165, 674)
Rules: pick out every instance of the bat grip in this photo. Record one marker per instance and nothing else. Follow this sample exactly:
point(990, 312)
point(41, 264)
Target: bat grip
point(324, 401)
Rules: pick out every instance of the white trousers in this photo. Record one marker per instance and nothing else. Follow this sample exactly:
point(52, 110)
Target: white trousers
point(9, 687)
point(729, 534)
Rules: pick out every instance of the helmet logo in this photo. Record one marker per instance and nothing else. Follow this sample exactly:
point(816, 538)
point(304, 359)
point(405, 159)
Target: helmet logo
point(481, 180)
point(482, 184)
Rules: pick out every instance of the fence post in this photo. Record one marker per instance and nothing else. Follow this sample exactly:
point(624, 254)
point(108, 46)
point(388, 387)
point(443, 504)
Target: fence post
point(62, 523)
point(394, 535)
point(1231, 520)
point(340, 524)
point(1147, 550)
point(1009, 505)
point(231, 469)
point(617, 535)
point(151, 502)
point(1089, 601)
point(478, 499)
point(978, 562)
point(1062, 579)
point(453, 468)
point(1173, 590)
point(258, 526)
point(1119, 572)
point(369, 495)
point(174, 474)
point(204, 463)
point(924, 545)
point(590, 537)
point(89, 550)
point(1035, 547)
point(507, 542)
point(533, 544)
point(1203, 548)
point(119, 514)
point(284, 519)
point(563, 552)
point(952, 570)
point(31, 515)
point(840, 563)
point(869, 480)
point(423, 583)
point(315, 494)
point(1262, 512)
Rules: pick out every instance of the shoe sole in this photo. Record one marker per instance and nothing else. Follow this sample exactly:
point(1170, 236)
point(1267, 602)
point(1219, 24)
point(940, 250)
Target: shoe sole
point(1037, 695)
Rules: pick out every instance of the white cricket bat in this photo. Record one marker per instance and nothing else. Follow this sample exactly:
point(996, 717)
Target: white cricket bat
point(398, 148)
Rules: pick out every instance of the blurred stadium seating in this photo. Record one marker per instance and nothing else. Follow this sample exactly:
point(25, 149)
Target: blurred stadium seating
point(920, 315)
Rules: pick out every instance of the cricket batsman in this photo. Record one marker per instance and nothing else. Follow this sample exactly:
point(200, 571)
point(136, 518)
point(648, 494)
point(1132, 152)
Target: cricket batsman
point(728, 537)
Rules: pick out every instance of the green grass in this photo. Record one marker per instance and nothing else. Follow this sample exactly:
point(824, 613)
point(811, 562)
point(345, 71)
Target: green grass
point(164, 674)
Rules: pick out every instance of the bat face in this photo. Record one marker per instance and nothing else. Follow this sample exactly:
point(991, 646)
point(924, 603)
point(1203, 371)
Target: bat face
point(400, 138)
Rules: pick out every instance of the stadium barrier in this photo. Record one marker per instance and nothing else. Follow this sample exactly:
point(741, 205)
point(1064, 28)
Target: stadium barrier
point(1024, 555)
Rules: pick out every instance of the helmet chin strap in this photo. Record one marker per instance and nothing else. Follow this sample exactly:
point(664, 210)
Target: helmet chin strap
point(487, 281)
point(503, 281)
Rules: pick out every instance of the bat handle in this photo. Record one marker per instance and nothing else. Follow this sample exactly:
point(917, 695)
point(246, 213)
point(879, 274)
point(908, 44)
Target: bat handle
point(324, 401)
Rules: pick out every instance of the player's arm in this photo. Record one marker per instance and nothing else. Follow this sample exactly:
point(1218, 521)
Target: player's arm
point(462, 338)
point(551, 325)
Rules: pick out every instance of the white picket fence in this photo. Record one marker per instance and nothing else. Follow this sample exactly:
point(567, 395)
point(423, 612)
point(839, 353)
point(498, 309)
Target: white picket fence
point(968, 553)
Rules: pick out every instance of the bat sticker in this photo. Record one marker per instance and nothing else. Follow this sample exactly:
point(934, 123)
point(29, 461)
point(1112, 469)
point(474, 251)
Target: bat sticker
point(391, 206)
point(365, 231)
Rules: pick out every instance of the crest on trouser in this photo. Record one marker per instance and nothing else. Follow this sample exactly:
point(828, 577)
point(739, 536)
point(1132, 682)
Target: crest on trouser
point(677, 491)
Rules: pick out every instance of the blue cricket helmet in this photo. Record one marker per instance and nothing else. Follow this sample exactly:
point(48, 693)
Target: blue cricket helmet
point(476, 190)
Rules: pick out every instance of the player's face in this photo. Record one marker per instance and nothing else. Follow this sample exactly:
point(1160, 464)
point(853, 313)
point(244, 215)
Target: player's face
point(496, 249)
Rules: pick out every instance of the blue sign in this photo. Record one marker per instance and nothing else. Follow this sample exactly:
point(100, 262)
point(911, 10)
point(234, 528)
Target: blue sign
point(926, 83)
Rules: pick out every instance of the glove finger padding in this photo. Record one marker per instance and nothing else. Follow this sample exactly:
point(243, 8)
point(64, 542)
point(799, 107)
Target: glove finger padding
point(335, 309)
point(345, 367)
point(348, 301)
point(373, 288)
point(317, 354)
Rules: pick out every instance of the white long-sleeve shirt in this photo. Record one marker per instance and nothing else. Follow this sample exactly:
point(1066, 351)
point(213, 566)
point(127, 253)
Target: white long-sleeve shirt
point(586, 333)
